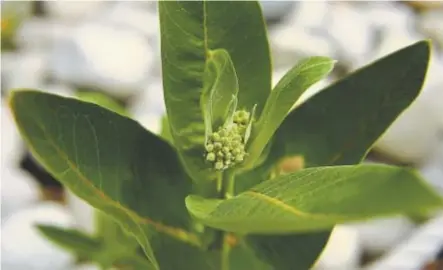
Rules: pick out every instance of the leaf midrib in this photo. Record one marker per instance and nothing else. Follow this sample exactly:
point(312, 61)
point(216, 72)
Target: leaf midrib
point(174, 232)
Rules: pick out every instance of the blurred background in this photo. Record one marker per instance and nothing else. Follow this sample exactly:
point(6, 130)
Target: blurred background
point(111, 49)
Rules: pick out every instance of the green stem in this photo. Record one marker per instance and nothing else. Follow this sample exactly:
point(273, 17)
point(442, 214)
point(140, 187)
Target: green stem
point(226, 191)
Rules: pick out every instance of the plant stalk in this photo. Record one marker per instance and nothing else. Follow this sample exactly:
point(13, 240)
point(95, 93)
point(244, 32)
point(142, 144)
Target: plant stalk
point(226, 191)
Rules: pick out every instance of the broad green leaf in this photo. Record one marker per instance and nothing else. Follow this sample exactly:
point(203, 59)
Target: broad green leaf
point(72, 240)
point(189, 30)
point(103, 101)
point(283, 97)
point(165, 133)
point(341, 123)
point(221, 85)
point(108, 160)
point(96, 249)
point(287, 252)
point(117, 243)
point(337, 127)
point(318, 198)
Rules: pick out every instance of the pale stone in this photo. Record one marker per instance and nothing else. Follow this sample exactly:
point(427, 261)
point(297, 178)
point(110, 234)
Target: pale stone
point(24, 248)
point(113, 59)
point(342, 252)
point(380, 235)
point(351, 33)
point(130, 15)
point(431, 23)
point(18, 191)
point(74, 10)
point(309, 14)
point(25, 70)
point(39, 34)
point(11, 143)
point(432, 169)
point(290, 44)
point(149, 107)
point(83, 213)
point(389, 15)
point(415, 251)
point(276, 9)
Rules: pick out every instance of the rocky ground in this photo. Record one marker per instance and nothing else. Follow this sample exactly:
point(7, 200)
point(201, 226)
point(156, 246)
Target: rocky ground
point(113, 47)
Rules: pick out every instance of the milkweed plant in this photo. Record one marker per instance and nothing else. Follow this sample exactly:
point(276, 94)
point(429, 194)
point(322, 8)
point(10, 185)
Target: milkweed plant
point(208, 192)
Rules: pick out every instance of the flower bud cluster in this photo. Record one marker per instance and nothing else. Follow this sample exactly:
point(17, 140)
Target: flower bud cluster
point(226, 148)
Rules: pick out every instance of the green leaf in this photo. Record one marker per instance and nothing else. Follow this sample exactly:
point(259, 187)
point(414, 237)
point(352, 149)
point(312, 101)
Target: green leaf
point(338, 126)
point(165, 132)
point(318, 198)
point(73, 240)
point(221, 88)
point(96, 249)
point(103, 101)
point(341, 123)
point(283, 97)
point(189, 30)
point(110, 161)
point(293, 251)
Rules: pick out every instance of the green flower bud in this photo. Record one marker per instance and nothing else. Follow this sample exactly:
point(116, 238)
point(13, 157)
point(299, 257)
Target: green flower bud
point(209, 147)
point(228, 156)
point(236, 151)
point(215, 137)
point(223, 132)
point(210, 157)
point(217, 146)
point(224, 140)
point(237, 138)
point(219, 165)
point(239, 158)
point(220, 154)
point(225, 150)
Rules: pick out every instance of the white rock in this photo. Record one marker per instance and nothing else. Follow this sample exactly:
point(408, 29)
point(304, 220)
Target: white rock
point(389, 15)
point(342, 251)
point(24, 248)
point(11, 143)
point(309, 14)
point(18, 191)
point(393, 39)
point(290, 44)
point(379, 235)
point(276, 9)
point(416, 250)
point(130, 15)
point(431, 23)
point(24, 70)
point(352, 33)
point(432, 170)
point(150, 101)
point(114, 59)
point(73, 10)
point(40, 34)
point(83, 213)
